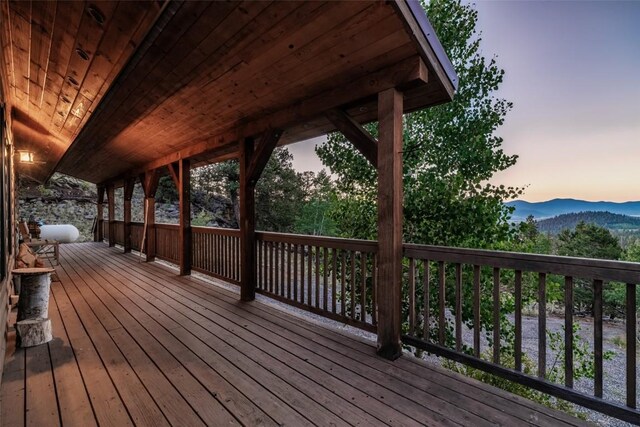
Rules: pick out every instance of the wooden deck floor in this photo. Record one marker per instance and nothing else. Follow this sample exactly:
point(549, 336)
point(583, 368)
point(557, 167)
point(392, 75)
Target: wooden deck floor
point(136, 344)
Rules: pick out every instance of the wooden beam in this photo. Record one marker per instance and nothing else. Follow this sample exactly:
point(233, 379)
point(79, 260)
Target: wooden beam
point(404, 74)
point(253, 159)
point(150, 183)
point(150, 180)
point(98, 235)
point(262, 153)
point(111, 214)
point(128, 194)
point(356, 134)
point(174, 171)
point(184, 193)
point(389, 280)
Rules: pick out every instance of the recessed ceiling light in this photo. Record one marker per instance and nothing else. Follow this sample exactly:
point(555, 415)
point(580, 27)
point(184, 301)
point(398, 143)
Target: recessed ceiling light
point(82, 54)
point(96, 14)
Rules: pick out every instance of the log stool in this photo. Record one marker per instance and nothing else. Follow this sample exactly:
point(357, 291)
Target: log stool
point(33, 326)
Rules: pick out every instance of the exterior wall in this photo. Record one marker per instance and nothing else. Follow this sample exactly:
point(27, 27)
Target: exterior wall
point(7, 233)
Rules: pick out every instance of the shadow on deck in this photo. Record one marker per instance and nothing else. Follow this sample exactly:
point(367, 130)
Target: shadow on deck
point(137, 344)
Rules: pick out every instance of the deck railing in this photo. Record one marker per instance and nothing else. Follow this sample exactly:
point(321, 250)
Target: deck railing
point(455, 301)
point(216, 251)
point(118, 229)
point(105, 230)
point(167, 242)
point(331, 277)
point(443, 276)
point(136, 235)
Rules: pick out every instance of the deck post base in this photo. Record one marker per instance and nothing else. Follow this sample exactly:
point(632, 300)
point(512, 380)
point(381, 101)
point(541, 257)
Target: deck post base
point(390, 351)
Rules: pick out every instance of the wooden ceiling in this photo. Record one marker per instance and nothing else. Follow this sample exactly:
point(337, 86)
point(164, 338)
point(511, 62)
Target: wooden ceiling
point(205, 75)
point(58, 60)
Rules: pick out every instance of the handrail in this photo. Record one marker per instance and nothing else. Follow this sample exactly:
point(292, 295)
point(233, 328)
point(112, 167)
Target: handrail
point(369, 246)
point(620, 271)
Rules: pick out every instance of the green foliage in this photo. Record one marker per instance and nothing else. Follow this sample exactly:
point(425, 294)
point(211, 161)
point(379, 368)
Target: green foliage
point(167, 192)
point(528, 367)
point(589, 241)
point(286, 201)
point(583, 356)
point(314, 217)
point(592, 241)
point(202, 219)
point(607, 220)
point(450, 152)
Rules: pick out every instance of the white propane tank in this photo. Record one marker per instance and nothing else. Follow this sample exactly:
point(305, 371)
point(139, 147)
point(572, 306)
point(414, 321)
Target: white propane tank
point(63, 233)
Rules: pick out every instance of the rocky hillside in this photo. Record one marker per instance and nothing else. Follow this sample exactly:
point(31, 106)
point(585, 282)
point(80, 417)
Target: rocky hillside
point(66, 200)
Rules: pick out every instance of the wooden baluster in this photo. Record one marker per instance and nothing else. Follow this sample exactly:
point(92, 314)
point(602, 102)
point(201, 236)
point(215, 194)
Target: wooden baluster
point(325, 278)
point(353, 285)
point(259, 261)
point(374, 290)
point(289, 280)
point(518, 320)
point(334, 279)
point(597, 337)
point(309, 274)
point(343, 281)
point(412, 297)
point(458, 307)
point(363, 287)
point(496, 315)
point(542, 325)
point(302, 264)
point(425, 291)
point(295, 273)
point(631, 345)
point(271, 267)
point(317, 276)
point(568, 331)
point(441, 296)
point(476, 310)
point(283, 278)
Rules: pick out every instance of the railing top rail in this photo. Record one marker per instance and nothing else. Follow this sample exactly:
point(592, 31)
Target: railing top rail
point(165, 225)
point(217, 230)
point(370, 246)
point(607, 270)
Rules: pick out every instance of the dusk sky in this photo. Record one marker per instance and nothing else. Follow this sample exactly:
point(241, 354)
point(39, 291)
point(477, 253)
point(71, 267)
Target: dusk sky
point(573, 74)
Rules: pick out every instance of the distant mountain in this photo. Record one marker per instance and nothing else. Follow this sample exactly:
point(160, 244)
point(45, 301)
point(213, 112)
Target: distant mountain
point(555, 207)
point(611, 221)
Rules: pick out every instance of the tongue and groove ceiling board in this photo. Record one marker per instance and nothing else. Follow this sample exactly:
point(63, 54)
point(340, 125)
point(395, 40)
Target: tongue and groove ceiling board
point(210, 73)
point(58, 60)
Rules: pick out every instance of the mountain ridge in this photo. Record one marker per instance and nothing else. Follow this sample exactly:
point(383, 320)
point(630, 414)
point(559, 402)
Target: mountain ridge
point(560, 206)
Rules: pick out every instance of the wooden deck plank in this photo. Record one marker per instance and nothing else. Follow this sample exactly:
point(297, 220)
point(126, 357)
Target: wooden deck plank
point(76, 287)
point(41, 404)
point(114, 316)
point(73, 399)
point(409, 369)
point(217, 317)
point(173, 405)
point(319, 386)
point(462, 392)
point(207, 402)
point(13, 383)
point(266, 374)
point(107, 404)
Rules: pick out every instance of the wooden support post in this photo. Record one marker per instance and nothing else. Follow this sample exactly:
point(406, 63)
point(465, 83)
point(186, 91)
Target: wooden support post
point(253, 159)
point(184, 193)
point(99, 233)
point(128, 194)
point(150, 186)
point(389, 223)
point(111, 214)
